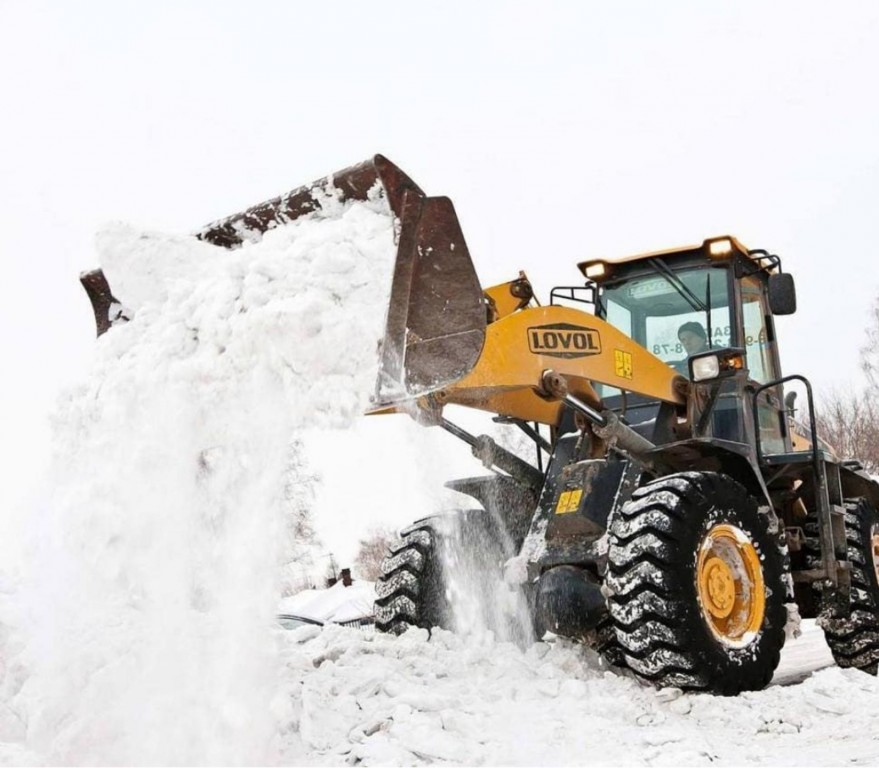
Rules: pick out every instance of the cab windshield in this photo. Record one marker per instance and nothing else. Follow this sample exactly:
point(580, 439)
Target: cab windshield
point(672, 314)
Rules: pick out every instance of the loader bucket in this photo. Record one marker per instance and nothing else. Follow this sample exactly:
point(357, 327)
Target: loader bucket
point(436, 318)
point(436, 315)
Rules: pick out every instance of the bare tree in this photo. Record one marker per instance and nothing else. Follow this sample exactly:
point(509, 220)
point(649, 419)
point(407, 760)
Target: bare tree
point(372, 549)
point(870, 350)
point(849, 421)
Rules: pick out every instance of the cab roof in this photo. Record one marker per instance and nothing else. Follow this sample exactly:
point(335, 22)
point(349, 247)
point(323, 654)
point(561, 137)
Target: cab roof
point(722, 248)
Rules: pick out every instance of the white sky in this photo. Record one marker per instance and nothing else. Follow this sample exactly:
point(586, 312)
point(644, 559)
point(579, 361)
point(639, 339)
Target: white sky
point(561, 131)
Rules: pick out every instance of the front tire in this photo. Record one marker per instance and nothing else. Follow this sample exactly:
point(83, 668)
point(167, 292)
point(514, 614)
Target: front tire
point(697, 582)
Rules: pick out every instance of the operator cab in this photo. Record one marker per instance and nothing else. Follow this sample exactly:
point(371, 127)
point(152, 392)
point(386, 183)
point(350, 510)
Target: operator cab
point(703, 310)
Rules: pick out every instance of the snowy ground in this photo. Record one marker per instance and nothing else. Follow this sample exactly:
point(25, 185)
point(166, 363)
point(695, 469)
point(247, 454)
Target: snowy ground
point(370, 699)
point(139, 589)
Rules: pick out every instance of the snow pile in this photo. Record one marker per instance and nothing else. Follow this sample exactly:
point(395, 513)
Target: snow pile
point(144, 621)
point(370, 699)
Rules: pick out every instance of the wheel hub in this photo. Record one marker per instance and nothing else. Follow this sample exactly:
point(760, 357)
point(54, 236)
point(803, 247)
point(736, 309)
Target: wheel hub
point(729, 584)
point(719, 587)
point(874, 548)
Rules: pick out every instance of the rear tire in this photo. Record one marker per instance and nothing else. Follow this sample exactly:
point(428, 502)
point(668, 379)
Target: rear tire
point(854, 637)
point(409, 591)
point(697, 576)
point(447, 571)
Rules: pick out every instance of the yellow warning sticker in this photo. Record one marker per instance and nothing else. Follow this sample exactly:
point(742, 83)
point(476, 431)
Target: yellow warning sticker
point(622, 363)
point(569, 501)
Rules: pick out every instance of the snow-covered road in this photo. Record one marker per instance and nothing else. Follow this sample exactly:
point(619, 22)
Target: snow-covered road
point(362, 698)
point(803, 656)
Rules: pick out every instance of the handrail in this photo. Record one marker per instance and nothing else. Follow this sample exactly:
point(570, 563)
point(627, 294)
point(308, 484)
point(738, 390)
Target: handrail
point(812, 428)
point(822, 501)
point(572, 290)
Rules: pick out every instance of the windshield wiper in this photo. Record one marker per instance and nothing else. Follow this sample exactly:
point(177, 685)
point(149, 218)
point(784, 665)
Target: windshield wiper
point(675, 282)
point(708, 308)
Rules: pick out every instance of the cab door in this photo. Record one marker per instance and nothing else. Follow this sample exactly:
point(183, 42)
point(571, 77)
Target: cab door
point(761, 353)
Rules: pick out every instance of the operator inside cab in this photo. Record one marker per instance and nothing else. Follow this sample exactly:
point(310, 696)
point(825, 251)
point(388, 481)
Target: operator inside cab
point(694, 340)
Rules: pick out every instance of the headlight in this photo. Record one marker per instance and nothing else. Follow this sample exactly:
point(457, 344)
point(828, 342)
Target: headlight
point(707, 367)
point(722, 362)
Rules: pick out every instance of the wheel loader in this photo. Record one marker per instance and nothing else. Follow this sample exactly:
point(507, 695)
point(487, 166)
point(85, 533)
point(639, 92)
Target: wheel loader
point(676, 516)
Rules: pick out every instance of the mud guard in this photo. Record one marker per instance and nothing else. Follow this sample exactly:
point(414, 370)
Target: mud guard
point(708, 454)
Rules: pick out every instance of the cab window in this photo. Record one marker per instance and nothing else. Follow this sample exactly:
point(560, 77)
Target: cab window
point(653, 310)
point(756, 339)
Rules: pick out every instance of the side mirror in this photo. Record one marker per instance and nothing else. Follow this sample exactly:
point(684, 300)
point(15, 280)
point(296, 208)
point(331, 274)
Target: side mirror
point(782, 294)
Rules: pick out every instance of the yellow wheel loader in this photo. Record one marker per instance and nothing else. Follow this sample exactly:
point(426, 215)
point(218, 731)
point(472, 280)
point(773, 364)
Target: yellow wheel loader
point(676, 516)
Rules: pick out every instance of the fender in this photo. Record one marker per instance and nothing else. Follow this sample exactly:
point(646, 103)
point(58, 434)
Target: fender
point(708, 454)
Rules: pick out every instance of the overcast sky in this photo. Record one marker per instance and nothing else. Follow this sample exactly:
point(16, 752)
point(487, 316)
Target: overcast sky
point(561, 130)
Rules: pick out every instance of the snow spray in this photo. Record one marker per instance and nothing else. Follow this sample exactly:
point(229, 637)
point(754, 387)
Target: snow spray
point(145, 617)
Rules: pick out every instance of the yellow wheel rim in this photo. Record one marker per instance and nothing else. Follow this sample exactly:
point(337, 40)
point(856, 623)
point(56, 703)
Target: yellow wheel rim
point(729, 582)
point(875, 550)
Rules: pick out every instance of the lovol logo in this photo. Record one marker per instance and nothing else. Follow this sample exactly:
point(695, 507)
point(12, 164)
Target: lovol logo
point(564, 340)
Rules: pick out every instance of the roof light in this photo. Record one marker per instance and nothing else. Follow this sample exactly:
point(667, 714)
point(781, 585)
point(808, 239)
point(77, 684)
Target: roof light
point(722, 247)
point(595, 270)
